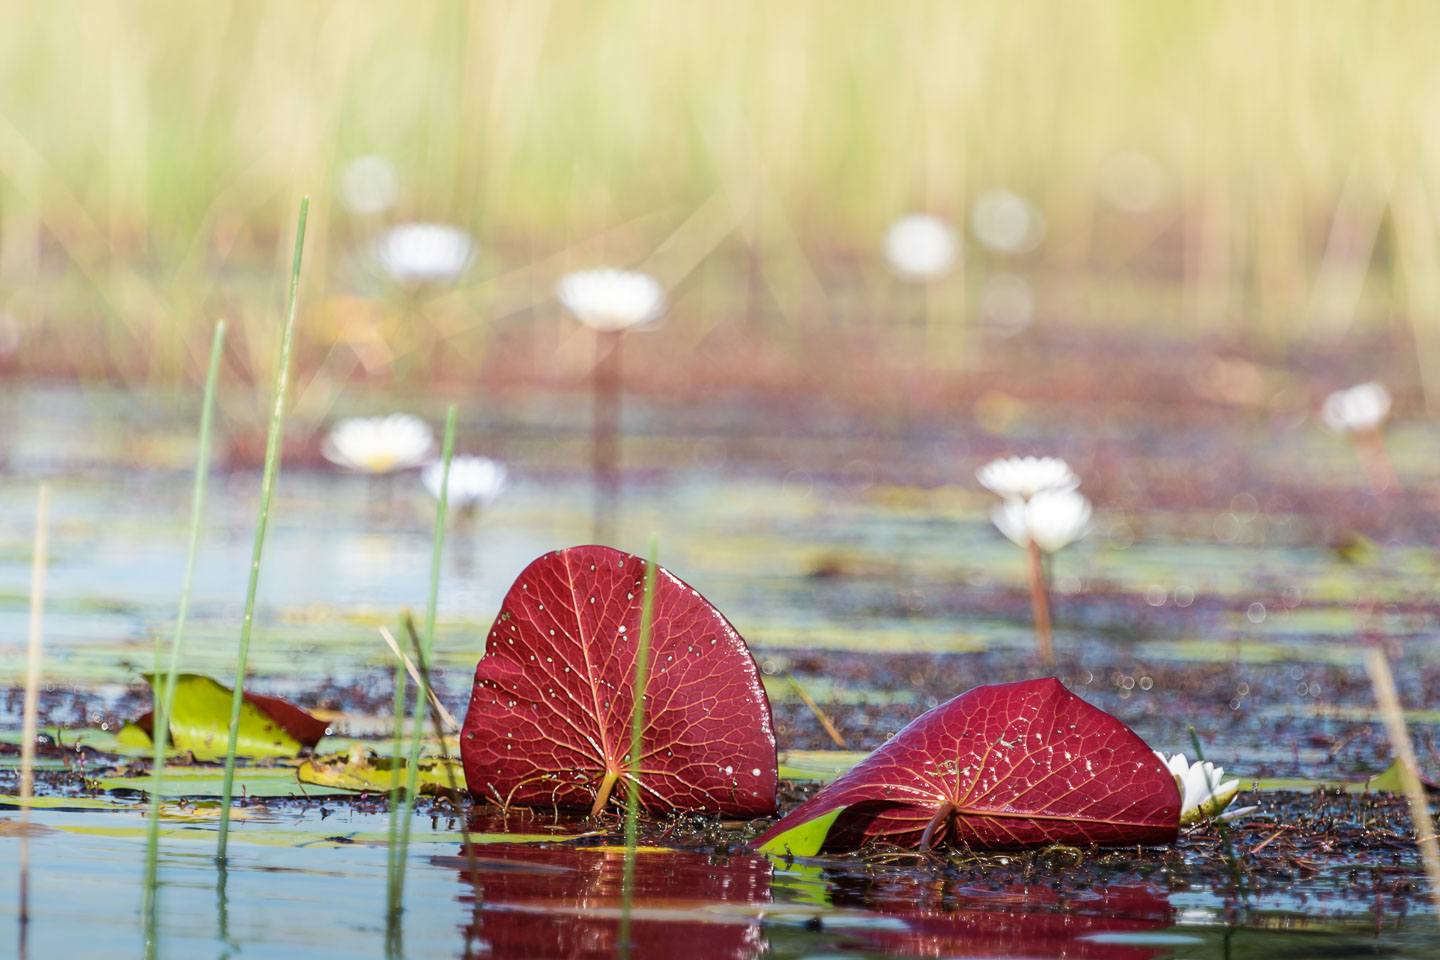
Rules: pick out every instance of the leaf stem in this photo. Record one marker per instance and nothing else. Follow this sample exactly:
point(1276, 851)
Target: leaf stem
point(267, 488)
point(942, 814)
point(165, 702)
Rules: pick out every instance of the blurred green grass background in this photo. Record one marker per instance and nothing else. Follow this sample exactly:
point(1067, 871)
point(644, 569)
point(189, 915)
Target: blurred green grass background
point(749, 153)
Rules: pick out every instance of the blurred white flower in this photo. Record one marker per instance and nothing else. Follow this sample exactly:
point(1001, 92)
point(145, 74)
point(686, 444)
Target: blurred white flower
point(1051, 519)
point(1007, 303)
point(369, 184)
point(474, 481)
point(1006, 222)
point(1203, 794)
point(1360, 408)
point(610, 300)
point(417, 253)
point(1023, 477)
point(921, 246)
point(379, 444)
point(1132, 182)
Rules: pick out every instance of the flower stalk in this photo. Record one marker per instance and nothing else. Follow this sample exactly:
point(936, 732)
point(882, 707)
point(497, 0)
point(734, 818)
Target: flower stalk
point(1375, 461)
point(1040, 604)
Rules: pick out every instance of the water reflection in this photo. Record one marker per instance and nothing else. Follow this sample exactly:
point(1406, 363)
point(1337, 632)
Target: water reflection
point(566, 901)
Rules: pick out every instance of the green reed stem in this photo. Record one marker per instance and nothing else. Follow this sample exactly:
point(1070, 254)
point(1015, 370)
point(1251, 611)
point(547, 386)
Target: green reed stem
point(637, 729)
point(267, 487)
point(438, 725)
point(422, 699)
point(398, 747)
point(1224, 828)
point(165, 699)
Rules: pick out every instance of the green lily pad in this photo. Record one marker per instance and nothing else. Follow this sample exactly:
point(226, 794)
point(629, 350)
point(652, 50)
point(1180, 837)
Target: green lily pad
point(206, 782)
point(804, 840)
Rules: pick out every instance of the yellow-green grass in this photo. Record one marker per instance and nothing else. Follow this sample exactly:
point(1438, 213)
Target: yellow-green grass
point(151, 155)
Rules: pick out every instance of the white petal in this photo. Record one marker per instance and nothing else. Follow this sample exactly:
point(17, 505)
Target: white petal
point(920, 246)
point(1009, 519)
point(1057, 518)
point(610, 300)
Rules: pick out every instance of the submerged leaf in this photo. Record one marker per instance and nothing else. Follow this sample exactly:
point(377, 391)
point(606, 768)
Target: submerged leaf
point(269, 726)
point(363, 770)
point(207, 781)
point(1009, 765)
point(550, 712)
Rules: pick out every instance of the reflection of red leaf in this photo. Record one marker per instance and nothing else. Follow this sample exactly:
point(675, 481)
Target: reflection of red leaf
point(1003, 766)
point(565, 902)
point(1032, 921)
point(550, 712)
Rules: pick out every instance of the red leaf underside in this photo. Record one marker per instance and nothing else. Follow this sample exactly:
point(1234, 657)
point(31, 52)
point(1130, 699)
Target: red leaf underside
point(550, 712)
point(1005, 766)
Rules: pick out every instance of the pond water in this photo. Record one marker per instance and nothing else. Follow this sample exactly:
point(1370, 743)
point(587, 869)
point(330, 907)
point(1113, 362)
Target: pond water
point(1234, 571)
point(300, 885)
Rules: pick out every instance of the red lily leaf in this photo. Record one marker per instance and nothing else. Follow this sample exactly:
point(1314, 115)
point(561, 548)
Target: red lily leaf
point(550, 712)
point(1005, 766)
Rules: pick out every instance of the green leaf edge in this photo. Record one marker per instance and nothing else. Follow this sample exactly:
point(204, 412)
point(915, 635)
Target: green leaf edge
point(805, 839)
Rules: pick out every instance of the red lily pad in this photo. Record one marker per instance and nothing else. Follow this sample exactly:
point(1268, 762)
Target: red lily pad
point(550, 712)
point(1006, 766)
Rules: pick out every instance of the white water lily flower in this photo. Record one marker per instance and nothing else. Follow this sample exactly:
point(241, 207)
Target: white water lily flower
point(1204, 793)
point(1006, 222)
point(370, 184)
point(610, 300)
point(474, 481)
point(1357, 409)
point(921, 246)
point(379, 444)
point(1052, 519)
point(417, 253)
point(1023, 477)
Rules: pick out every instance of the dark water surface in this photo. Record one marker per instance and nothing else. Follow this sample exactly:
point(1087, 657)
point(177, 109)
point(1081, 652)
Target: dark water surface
point(1236, 570)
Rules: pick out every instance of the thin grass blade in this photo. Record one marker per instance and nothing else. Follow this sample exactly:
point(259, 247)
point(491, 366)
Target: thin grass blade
point(166, 701)
point(267, 488)
point(427, 644)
